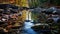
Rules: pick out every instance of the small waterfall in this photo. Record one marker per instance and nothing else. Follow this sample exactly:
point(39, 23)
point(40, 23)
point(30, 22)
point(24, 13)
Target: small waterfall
point(28, 15)
point(28, 25)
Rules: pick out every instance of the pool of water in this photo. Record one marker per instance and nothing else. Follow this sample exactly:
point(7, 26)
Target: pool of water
point(27, 28)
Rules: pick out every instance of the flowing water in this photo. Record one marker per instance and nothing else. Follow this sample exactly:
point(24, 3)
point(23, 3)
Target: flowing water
point(27, 25)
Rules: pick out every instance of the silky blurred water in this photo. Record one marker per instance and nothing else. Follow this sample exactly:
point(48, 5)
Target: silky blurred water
point(27, 28)
point(27, 25)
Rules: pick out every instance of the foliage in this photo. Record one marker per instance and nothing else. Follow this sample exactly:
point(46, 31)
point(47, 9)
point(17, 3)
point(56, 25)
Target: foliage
point(55, 2)
point(37, 3)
